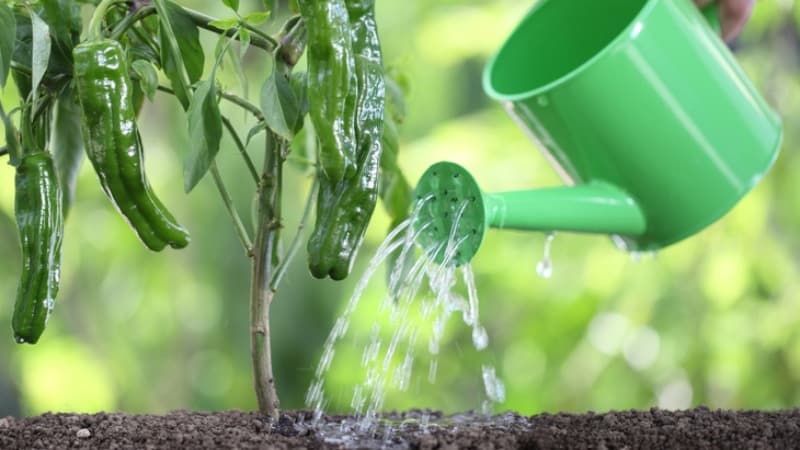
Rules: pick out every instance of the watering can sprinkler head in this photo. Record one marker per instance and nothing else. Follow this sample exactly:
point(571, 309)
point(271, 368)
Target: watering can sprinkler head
point(450, 216)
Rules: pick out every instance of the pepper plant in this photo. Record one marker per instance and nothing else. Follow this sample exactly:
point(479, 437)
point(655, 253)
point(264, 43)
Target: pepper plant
point(95, 78)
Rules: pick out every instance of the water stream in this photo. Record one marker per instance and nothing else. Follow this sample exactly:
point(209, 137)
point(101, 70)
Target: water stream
point(420, 298)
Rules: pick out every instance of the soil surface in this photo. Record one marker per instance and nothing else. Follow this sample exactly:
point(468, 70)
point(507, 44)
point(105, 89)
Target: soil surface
point(696, 429)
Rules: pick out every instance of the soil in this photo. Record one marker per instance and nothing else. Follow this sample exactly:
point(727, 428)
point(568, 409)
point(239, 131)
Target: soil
point(698, 428)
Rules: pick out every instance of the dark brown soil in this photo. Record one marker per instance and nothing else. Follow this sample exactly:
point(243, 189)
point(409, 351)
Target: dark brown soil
point(697, 428)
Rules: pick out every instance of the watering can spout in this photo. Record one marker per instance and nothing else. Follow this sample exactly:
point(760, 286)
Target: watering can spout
point(596, 207)
point(452, 214)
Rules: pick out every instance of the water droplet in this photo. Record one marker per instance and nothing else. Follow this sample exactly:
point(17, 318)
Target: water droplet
point(432, 367)
point(545, 267)
point(495, 389)
point(433, 346)
point(19, 339)
point(479, 337)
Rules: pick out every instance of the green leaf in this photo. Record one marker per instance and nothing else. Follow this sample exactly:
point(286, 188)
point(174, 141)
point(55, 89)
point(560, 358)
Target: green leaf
point(66, 144)
point(256, 18)
point(279, 105)
point(269, 5)
point(205, 131)
point(171, 55)
point(8, 32)
point(64, 18)
point(222, 44)
point(394, 190)
point(225, 24)
point(236, 64)
point(232, 4)
point(300, 88)
point(395, 99)
point(255, 131)
point(188, 41)
point(40, 55)
point(244, 42)
point(148, 77)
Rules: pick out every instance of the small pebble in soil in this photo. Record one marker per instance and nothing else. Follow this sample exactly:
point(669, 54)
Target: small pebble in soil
point(83, 433)
point(5, 422)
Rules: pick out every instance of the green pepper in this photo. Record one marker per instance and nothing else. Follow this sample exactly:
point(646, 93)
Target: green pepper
point(331, 85)
point(343, 213)
point(113, 143)
point(344, 209)
point(41, 228)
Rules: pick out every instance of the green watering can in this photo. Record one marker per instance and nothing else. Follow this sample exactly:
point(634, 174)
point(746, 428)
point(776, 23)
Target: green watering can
point(639, 106)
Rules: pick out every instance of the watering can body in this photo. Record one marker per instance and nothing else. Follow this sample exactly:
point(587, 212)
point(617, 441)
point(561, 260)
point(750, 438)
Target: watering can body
point(642, 110)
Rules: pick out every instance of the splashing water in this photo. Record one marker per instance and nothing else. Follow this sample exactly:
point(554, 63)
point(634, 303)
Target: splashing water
point(545, 267)
point(495, 389)
point(389, 365)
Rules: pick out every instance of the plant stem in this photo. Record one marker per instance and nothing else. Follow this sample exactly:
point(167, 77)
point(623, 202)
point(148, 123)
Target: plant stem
point(241, 231)
point(239, 101)
point(264, 260)
point(131, 19)
point(233, 98)
point(242, 149)
point(12, 148)
point(96, 23)
point(298, 238)
point(258, 39)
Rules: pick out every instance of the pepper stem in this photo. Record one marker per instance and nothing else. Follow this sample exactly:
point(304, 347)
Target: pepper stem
point(96, 23)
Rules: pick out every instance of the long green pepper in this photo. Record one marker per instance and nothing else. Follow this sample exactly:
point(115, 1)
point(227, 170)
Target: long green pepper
point(331, 85)
point(344, 209)
point(113, 144)
point(40, 220)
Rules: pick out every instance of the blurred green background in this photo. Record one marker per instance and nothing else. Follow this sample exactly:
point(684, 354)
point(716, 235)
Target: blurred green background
point(713, 320)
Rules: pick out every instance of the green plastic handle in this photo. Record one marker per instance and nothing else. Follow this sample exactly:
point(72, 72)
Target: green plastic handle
point(711, 13)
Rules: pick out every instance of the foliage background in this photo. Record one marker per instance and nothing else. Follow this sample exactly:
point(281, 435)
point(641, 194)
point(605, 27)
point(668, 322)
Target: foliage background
point(713, 320)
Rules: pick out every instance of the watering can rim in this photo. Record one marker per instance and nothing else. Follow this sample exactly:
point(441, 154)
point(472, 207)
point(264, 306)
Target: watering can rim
point(625, 34)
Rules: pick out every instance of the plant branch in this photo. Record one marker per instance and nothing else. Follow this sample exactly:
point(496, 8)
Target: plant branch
point(233, 98)
point(242, 149)
point(298, 238)
point(244, 238)
point(259, 38)
point(261, 292)
point(12, 147)
point(20, 68)
point(95, 27)
point(131, 19)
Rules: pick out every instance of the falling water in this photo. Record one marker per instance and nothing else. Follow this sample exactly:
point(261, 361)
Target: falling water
point(545, 266)
point(389, 365)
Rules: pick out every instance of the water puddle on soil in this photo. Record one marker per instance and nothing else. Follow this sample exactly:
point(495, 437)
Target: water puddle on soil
point(420, 298)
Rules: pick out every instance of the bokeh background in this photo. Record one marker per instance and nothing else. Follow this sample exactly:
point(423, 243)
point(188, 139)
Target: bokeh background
point(713, 320)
